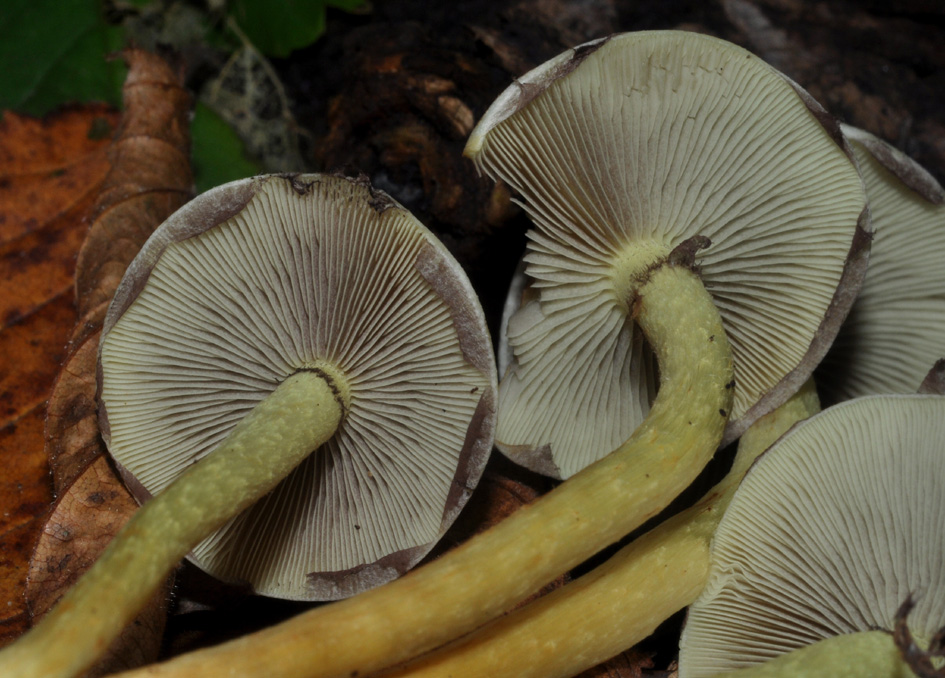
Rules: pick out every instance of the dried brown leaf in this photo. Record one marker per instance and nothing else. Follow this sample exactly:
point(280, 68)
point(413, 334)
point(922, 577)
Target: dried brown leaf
point(24, 495)
point(149, 178)
point(50, 170)
point(72, 433)
point(82, 522)
point(502, 490)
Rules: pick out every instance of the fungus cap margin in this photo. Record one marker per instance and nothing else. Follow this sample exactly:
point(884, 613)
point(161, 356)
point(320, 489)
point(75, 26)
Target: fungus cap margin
point(897, 323)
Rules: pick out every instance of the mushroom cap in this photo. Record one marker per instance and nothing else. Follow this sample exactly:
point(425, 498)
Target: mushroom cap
point(260, 278)
point(831, 530)
point(624, 148)
point(897, 324)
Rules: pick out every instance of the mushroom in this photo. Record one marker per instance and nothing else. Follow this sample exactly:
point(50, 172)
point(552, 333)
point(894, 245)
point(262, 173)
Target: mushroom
point(340, 280)
point(622, 601)
point(302, 339)
point(809, 188)
point(831, 531)
point(624, 149)
point(902, 301)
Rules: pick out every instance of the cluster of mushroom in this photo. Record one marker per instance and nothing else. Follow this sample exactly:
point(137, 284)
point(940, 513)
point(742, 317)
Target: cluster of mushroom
point(892, 335)
point(827, 561)
point(702, 230)
point(536, 138)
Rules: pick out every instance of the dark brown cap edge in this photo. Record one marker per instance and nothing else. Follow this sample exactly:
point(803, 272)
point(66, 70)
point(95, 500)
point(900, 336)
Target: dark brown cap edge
point(908, 171)
point(851, 279)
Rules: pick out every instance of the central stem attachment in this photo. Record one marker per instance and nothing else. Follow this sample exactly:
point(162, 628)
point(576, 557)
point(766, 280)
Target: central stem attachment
point(631, 265)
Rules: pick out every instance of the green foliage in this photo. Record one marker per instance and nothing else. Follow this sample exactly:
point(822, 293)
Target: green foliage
point(53, 52)
point(277, 28)
point(218, 153)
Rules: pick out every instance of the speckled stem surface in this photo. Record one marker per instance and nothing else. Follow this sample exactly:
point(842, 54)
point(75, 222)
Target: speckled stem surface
point(620, 602)
point(302, 413)
point(490, 573)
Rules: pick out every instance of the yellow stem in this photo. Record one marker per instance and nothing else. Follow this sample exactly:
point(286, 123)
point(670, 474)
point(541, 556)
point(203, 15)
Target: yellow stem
point(620, 602)
point(868, 654)
point(488, 574)
point(296, 418)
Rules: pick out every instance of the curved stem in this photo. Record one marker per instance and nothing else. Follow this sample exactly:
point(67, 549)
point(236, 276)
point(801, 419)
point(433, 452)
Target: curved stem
point(301, 414)
point(488, 574)
point(620, 602)
point(868, 654)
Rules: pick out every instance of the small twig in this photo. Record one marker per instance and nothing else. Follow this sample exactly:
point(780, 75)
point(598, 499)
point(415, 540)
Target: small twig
point(919, 660)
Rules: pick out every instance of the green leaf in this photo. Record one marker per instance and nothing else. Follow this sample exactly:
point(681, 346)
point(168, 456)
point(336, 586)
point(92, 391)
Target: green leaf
point(54, 51)
point(277, 28)
point(218, 154)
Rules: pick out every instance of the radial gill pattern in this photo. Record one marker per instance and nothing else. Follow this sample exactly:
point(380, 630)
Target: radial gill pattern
point(623, 149)
point(896, 329)
point(830, 532)
point(310, 272)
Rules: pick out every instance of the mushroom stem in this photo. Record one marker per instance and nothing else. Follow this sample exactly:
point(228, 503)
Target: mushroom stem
point(490, 573)
point(620, 602)
point(295, 419)
point(866, 654)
